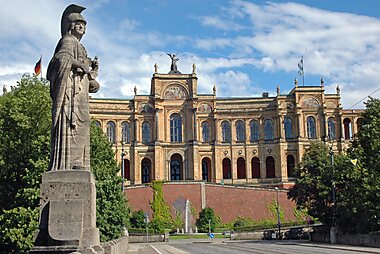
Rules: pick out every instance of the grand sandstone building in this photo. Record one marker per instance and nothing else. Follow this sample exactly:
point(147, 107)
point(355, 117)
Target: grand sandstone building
point(176, 134)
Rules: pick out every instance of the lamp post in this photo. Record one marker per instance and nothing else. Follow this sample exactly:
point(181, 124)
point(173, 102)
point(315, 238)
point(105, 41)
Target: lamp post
point(122, 166)
point(278, 214)
point(333, 228)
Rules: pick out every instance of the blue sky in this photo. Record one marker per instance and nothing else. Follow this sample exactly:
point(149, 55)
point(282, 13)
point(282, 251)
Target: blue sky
point(243, 47)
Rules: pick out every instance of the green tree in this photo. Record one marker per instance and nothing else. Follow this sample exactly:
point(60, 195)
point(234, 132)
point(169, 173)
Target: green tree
point(162, 217)
point(206, 216)
point(24, 156)
point(137, 219)
point(25, 123)
point(112, 209)
point(313, 188)
point(360, 197)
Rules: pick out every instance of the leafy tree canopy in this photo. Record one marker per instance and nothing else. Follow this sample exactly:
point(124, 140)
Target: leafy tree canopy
point(206, 216)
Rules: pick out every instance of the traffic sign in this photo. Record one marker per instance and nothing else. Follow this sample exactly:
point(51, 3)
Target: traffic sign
point(211, 235)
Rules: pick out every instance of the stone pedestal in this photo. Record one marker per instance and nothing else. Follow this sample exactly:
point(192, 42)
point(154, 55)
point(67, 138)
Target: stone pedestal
point(68, 213)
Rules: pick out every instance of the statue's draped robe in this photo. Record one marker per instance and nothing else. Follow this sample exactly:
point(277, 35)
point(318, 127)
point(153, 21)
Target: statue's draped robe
point(70, 135)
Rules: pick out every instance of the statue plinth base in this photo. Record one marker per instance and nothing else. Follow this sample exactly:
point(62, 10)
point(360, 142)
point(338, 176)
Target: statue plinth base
point(68, 213)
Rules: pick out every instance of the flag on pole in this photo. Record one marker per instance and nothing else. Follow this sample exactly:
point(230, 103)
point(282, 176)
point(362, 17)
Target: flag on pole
point(300, 67)
point(37, 68)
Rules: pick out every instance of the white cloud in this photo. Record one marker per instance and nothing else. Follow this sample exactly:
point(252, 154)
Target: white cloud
point(344, 48)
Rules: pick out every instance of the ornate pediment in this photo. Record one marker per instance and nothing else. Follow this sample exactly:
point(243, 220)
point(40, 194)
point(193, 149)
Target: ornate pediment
point(175, 92)
point(310, 102)
point(204, 108)
point(146, 108)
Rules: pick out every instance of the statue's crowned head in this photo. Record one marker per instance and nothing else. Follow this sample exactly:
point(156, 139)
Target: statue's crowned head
point(71, 15)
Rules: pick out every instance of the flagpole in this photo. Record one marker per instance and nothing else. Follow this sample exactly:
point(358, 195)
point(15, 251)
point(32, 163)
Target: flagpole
point(303, 72)
point(41, 68)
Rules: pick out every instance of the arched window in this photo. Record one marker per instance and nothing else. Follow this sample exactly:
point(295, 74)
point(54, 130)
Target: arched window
point(268, 129)
point(347, 128)
point(97, 123)
point(240, 131)
point(226, 168)
point(288, 128)
point(226, 132)
point(206, 169)
point(290, 163)
point(146, 132)
point(175, 128)
point(205, 131)
point(145, 170)
point(127, 169)
point(270, 167)
point(241, 168)
point(255, 134)
point(311, 129)
point(255, 164)
point(111, 132)
point(176, 167)
point(125, 132)
point(331, 128)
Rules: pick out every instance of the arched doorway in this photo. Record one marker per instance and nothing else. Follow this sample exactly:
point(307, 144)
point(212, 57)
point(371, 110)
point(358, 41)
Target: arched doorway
point(255, 164)
point(270, 167)
point(206, 169)
point(127, 169)
point(290, 163)
point(226, 168)
point(146, 169)
point(176, 167)
point(241, 168)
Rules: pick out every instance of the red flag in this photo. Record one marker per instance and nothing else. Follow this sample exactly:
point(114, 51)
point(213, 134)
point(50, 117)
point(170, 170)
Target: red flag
point(37, 68)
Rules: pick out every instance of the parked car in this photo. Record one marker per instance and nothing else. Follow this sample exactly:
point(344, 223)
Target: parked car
point(296, 233)
point(268, 234)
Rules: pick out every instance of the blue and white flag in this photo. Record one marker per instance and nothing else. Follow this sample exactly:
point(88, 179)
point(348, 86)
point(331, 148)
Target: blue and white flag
point(300, 67)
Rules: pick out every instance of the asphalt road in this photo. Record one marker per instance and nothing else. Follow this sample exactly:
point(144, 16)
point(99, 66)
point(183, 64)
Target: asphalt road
point(241, 247)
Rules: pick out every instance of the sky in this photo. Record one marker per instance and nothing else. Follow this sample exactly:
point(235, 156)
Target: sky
point(243, 47)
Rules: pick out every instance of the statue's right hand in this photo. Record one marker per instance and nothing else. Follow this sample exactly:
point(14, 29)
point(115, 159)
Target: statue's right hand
point(86, 69)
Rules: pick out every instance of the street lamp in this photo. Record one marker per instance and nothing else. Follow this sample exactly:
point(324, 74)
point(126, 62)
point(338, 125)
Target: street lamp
point(333, 229)
point(278, 214)
point(122, 165)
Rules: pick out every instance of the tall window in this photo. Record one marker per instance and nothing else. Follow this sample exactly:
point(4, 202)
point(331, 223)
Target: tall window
point(146, 132)
point(175, 128)
point(111, 132)
point(125, 132)
point(255, 164)
point(311, 129)
point(145, 170)
point(240, 131)
point(331, 128)
point(268, 129)
point(226, 168)
point(290, 164)
point(241, 172)
point(288, 128)
point(205, 131)
point(270, 167)
point(226, 132)
point(347, 128)
point(255, 134)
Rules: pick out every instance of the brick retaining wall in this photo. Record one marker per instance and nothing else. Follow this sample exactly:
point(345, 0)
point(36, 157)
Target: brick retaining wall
point(229, 202)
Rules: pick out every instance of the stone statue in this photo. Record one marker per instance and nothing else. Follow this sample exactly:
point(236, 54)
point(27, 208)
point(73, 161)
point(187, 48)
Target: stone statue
point(173, 67)
point(72, 76)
